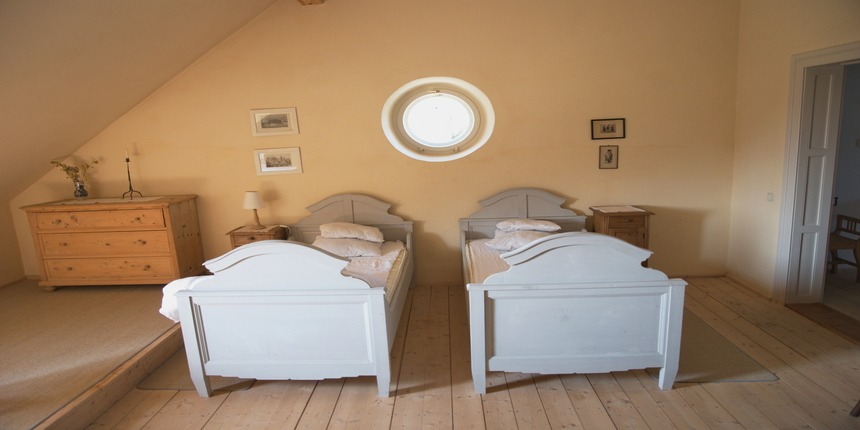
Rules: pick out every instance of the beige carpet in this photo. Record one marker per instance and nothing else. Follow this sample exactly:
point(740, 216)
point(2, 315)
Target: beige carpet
point(174, 375)
point(707, 356)
point(56, 345)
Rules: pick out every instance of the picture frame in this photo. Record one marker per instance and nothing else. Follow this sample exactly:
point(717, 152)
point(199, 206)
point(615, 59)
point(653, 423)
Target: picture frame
point(278, 161)
point(269, 122)
point(608, 128)
point(608, 157)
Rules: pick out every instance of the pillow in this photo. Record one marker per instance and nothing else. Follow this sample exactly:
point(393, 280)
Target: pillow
point(349, 247)
point(346, 230)
point(518, 224)
point(511, 240)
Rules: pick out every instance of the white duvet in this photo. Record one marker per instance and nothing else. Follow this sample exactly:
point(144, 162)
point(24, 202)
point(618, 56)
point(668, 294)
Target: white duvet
point(373, 270)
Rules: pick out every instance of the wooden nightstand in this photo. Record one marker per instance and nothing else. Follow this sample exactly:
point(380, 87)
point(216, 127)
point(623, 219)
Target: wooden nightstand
point(628, 223)
point(243, 235)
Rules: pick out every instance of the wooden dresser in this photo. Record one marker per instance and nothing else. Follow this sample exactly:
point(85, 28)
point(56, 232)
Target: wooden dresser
point(628, 223)
point(148, 240)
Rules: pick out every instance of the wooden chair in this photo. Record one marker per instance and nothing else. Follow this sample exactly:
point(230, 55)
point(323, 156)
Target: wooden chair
point(846, 235)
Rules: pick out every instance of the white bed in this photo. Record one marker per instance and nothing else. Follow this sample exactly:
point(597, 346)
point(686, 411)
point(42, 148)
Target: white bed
point(278, 310)
point(572, 302)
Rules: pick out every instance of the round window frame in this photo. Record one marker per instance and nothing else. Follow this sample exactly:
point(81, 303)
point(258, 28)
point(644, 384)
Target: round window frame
point(395, 107)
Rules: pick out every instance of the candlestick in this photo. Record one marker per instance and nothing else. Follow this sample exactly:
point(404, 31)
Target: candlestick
point(131, 191)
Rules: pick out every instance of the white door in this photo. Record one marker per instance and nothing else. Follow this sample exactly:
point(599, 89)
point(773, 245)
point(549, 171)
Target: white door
point(819, 126)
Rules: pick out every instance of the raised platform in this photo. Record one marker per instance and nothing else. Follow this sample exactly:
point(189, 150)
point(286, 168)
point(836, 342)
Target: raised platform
point(88, 406)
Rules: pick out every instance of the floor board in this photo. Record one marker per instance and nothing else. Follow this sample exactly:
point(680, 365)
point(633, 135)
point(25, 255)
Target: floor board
point(819, 383)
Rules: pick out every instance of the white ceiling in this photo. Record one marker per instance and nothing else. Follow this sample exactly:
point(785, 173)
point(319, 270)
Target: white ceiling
point(69, 68)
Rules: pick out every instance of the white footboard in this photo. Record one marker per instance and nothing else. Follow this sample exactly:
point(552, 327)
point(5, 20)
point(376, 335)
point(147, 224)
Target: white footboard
point(285, 335)
point(572, 302)
point(576, 328)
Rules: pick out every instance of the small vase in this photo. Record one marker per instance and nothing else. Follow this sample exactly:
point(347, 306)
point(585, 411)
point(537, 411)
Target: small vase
point(80, 191)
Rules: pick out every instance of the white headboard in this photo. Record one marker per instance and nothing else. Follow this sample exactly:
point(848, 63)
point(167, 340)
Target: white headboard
point(354, 208)
point(518, 203)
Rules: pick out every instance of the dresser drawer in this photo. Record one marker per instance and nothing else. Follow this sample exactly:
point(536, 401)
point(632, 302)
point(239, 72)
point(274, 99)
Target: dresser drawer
point(145, 218)
point(96, 268)
point(110, 243)
point(626, 221)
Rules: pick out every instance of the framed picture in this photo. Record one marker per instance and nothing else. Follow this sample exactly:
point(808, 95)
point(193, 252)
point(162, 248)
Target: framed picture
point(268, 122)
point(277, 161)
point(611, 128)
point(608, 157)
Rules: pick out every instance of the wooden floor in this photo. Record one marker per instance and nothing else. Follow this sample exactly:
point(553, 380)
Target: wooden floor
point(842, 292)
point(819, 382)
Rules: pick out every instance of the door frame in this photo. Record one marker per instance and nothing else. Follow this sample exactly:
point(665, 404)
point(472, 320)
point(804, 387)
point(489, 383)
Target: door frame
point(786, 239)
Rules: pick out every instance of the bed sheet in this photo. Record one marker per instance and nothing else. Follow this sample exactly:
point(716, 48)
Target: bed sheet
point(483, 261)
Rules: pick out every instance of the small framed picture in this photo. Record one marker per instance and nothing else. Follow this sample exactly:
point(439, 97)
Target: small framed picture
point(277, 161)
point(608, 157)
point(611, 128)
point(268, 122)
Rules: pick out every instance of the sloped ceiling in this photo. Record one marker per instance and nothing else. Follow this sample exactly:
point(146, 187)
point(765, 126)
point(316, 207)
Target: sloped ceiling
point(69, 68)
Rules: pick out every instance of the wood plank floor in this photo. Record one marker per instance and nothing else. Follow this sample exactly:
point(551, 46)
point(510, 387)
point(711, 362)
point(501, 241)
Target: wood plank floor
point(842, 291)
point(819, 382)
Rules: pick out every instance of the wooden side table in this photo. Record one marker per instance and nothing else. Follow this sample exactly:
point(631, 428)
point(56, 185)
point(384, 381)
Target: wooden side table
point(628, 223)
point(245, 234)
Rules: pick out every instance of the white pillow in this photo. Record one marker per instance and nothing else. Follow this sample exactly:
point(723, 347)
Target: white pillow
point(517, 224)
point(346, 230)
point(511, 240)
point(349, 247)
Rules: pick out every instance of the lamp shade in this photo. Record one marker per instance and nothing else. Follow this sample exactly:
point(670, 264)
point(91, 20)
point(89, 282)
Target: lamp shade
point(252, 200)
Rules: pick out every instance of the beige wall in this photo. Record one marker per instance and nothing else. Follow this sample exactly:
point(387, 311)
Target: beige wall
point(767, 42)
point(549, 67)
point(10, 257)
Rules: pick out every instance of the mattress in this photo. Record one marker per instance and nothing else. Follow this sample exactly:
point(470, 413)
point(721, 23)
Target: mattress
point(483, 261)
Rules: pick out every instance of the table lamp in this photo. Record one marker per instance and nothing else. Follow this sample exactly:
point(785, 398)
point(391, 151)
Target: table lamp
point(253, 201)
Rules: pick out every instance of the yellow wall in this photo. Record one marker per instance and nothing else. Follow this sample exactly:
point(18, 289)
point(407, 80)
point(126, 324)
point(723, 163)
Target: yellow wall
point(768, 40)
point(549, 67)
point(10, 257)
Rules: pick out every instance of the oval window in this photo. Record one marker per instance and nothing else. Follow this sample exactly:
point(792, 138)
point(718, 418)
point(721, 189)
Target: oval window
point(437, 119)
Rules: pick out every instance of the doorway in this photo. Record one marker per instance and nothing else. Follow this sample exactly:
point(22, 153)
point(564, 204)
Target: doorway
point(841, 290)
point(809, 173)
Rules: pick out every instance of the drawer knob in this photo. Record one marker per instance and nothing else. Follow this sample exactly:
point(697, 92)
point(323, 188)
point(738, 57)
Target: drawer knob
point(141, 241)
point(146, 267)
point(252, 238)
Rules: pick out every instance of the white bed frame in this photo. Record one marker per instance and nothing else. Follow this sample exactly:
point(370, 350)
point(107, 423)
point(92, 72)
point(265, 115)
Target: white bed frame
point(574, 302)
point(278, 310)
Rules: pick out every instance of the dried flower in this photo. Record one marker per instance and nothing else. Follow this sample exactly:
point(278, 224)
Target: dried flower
point(76, 173)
